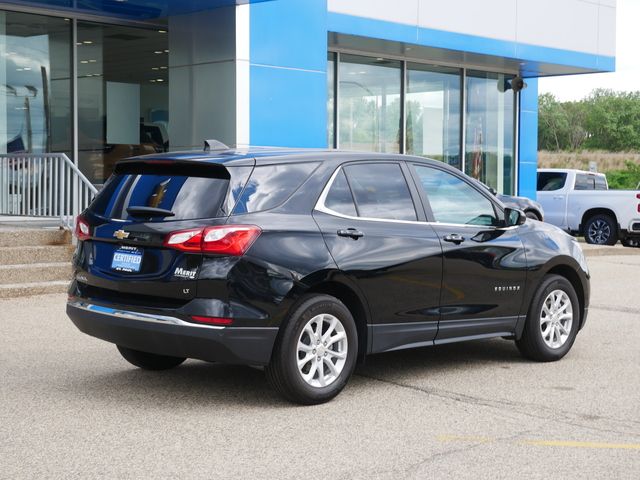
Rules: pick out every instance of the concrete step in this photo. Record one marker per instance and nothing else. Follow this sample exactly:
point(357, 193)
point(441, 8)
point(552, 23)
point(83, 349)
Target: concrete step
point(42, 272)
point(11, 237)
point(12, 290)
point(35, 254)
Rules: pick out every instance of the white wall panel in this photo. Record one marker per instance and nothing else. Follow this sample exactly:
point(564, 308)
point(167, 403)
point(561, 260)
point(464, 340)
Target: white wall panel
point(399, 11)
point(484, 18)
point(566, 24)
point(607, 29)
point(580, 25)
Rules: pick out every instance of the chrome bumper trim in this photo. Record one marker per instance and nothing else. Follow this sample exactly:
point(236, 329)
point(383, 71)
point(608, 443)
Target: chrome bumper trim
point(138, 316)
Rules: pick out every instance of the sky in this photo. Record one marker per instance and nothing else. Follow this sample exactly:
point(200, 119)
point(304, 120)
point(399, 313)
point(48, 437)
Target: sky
point(627, 74)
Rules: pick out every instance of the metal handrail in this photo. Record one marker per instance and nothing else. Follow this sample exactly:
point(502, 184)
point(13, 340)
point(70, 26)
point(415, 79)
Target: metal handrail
point(43, 185)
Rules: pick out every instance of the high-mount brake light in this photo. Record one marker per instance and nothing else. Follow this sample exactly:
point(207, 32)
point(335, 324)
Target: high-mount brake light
point(232, 240)
point(82, 231)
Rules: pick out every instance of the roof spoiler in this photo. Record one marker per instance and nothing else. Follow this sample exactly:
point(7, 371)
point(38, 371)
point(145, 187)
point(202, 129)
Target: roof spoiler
point(214, 145)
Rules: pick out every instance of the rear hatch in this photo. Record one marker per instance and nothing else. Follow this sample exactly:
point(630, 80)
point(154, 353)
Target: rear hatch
point(124, 256)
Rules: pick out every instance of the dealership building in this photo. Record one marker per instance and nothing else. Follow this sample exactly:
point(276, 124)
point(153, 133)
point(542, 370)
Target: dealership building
point(102, 80)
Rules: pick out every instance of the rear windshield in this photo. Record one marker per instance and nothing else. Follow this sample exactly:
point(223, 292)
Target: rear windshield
point(186, 196)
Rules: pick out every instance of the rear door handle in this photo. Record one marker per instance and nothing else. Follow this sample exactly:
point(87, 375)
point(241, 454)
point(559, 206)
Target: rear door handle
point(454, 238)
point(351, 233)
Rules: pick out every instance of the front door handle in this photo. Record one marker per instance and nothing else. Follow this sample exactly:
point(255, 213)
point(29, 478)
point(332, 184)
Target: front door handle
point(454, 238)
point(351, 233)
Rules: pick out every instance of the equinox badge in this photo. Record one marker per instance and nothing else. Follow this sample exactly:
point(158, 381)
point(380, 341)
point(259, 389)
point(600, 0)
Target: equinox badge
point(121, 234)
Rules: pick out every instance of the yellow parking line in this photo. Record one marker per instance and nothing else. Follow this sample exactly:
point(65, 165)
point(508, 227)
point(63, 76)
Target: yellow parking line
point(564, 443)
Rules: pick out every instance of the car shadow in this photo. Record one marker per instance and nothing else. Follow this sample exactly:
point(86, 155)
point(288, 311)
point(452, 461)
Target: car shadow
point(197, 383)
point(442, 358)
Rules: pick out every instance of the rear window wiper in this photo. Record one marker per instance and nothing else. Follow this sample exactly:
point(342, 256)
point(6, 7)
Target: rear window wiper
point(149, 212)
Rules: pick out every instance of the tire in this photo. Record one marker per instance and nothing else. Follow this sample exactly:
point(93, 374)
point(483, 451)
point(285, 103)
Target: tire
point(149, 361)
point(601, 230)
point(534, 344)
point(532, 215)
point(297, 342)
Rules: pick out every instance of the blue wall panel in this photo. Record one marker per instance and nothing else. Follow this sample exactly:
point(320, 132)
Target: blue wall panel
point(288, 73)
point(288, 107)
point(528, 141)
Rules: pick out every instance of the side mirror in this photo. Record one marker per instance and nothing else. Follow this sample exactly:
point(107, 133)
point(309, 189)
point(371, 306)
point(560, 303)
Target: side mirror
point(514, 217)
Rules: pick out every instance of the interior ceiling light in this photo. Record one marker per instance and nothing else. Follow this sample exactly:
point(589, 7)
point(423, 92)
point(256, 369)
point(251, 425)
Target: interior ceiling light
point(87, 42)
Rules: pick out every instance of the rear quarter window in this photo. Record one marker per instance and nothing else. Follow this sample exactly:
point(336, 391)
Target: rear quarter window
point(271, 185)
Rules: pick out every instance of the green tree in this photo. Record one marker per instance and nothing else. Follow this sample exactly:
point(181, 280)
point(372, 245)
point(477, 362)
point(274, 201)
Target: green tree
point(561, 125)
point(613, 120)
point(551, 122)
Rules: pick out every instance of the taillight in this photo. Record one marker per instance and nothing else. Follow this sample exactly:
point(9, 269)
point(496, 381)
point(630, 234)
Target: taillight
point(212, 320)
point(83, 230)
point(638, 197)
point(233, 240)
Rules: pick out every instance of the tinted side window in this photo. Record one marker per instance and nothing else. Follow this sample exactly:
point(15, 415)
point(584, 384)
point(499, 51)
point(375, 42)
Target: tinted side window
point(585, 182)
point(339, 199)
point(380, 191)
point(549, 181)
point(453, 200)
point(270, 185)
point(601, 183)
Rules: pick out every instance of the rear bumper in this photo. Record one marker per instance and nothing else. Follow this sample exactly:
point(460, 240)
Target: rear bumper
point(167, 335)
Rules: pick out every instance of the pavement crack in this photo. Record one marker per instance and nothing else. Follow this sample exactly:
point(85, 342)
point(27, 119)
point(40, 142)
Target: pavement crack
point(615, 308)
point(520, 408)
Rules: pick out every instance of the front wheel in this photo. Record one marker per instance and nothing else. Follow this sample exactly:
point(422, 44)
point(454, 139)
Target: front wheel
point(601, 230)
point(552, 321)
point(316, 352)
point(149, 361)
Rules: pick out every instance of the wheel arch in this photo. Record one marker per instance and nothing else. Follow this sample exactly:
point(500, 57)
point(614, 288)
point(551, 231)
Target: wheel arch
point(597, 211)
point(354, 303)
point(535, 211)
point(573, 278)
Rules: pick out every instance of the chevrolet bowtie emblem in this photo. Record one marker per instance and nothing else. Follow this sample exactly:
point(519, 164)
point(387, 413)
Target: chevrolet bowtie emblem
point(121, 234)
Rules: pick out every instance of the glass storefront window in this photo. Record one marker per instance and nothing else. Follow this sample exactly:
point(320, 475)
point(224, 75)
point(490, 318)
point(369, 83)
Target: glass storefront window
point(35, 84)
point(331, 99)
point(490, 130)
point(433, 113)
point(369, 106)
point(123, 96)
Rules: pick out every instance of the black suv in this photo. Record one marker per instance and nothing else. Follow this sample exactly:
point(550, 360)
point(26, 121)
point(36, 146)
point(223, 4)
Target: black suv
point(306, 261)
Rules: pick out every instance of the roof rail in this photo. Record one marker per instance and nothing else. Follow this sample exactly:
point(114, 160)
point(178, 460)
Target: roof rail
point(213, 144)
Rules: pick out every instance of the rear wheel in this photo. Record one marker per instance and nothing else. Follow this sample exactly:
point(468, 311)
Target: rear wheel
point(601, 230)
point(149, 361)
point(316, 352)
point(552, 321)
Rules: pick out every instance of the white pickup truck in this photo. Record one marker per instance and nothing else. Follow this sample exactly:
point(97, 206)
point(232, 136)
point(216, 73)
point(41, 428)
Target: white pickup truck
point(581, 203)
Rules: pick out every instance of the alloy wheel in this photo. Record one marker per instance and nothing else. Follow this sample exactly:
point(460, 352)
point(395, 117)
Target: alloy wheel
point(599, 232)
point(322, 350)
point(556, 319)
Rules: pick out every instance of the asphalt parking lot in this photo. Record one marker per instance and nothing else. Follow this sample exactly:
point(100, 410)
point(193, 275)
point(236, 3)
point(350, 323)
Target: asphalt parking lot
point(71, 407)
